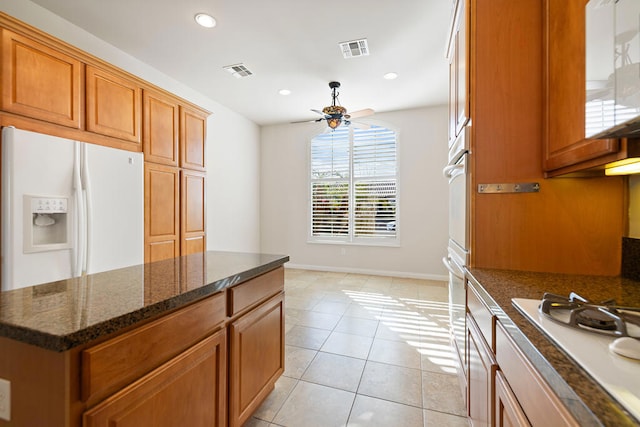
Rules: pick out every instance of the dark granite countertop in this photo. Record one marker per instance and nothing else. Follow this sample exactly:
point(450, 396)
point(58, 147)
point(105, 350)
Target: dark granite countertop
point(64, 314)
point(588, 402)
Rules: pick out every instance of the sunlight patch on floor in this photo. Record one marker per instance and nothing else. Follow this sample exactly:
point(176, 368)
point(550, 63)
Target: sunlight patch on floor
point(423, 324)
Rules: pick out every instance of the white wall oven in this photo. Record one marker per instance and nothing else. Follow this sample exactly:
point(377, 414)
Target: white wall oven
point(457, 257)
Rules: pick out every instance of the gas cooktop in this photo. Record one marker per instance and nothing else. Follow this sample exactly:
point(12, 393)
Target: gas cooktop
point(618, 375)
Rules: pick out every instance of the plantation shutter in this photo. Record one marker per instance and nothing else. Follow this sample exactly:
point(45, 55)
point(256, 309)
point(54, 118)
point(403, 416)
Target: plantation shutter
point(354, 184)
point(374, 170)
point(330, 164)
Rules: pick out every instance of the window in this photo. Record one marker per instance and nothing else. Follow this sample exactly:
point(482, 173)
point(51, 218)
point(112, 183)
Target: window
point(354, 186)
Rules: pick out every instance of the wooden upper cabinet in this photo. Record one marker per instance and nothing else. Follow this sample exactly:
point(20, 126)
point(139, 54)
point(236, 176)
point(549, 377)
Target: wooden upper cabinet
point(162, 212)
point(193, 124)
point(160, 128)
point(113, 105)
point(40, 82)
point(458, 55)
point(565, 148)
point(192, 213)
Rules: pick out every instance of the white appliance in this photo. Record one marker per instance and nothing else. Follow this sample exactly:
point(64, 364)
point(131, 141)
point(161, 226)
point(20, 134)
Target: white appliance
point(68, 208)
point(458, 249)
point(619, 375)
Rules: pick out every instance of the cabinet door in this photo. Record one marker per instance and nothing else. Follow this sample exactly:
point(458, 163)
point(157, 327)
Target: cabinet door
point(564, 140)
point(462, 67)
point(508, 411)
point(113, 105)
point(189, 390)
point(536, 398)
point(256, 358)
point(192, 212)
point(160, 128)
point(481, 371)
point(161, 212)
point(193, 125)
point(40, 82)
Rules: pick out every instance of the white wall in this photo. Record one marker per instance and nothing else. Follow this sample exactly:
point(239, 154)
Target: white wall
point(423, 198)
point(233, 145)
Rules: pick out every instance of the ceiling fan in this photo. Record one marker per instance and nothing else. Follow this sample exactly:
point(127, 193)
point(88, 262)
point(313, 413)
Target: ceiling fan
point(335, 114)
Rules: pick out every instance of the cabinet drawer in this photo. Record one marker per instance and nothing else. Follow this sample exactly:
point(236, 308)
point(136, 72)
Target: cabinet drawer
point(113, 364)
point(262, 287)
point(540, 404)
point(482, 315)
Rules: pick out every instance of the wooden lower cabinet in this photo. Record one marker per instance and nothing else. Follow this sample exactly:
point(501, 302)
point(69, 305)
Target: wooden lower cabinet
point(539, 404)
point(503, 387)
point(481, 368)
point(200, 365)
point(189, 390)
point(508, 411)
point(256, 358)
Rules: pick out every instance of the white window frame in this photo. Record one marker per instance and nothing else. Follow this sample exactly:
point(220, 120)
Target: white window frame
point(350, 238)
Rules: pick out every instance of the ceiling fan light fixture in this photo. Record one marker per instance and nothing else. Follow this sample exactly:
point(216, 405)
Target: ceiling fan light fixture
point(334, 122)
point(332, 110)
point(205, 20)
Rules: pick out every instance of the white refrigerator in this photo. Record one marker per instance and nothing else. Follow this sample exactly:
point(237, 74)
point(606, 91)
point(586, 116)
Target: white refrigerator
point(68, 208)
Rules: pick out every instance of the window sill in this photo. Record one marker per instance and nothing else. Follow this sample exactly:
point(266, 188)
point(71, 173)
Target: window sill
point(378, 243)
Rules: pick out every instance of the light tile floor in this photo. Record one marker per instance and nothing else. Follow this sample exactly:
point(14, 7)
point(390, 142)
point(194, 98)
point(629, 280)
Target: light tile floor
point(364, 351)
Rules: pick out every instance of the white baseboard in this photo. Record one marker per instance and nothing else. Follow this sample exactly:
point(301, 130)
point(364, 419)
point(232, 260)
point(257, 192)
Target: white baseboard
point(405, 274)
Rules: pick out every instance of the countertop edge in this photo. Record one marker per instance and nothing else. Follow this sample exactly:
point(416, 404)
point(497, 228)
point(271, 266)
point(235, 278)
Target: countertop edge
point(64, 342)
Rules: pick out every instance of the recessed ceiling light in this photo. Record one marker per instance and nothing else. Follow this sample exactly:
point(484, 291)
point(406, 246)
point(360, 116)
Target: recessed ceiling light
point(284, 92)
point(205, 20)
point(391, 76)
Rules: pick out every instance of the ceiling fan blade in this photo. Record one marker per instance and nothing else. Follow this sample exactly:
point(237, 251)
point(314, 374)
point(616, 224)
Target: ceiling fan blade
point(308, 121)
point(318, 111)
point(360, 113)
point(359, 125)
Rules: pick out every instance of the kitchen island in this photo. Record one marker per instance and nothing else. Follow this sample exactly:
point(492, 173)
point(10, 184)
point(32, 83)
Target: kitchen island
point(585, 400)
point(164, 343)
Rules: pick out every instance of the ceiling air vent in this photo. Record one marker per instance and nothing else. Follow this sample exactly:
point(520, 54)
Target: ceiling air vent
point(238, 70)
point(354, 48)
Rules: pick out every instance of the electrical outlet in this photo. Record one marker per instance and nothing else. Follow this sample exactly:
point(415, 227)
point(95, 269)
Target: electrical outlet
point(5, 400)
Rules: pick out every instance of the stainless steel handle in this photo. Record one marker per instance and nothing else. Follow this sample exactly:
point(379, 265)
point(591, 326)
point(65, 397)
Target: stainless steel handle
point(448, 263)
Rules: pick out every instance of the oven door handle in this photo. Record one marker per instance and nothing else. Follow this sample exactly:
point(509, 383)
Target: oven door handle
point(449, 264)
point(450, 170)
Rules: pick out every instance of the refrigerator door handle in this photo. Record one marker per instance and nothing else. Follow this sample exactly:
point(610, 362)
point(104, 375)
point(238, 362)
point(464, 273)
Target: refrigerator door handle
point(88, 208)
point(79, 213)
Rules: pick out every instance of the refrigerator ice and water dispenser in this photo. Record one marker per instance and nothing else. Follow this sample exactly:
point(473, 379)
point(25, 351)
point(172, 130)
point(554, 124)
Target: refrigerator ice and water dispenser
point(46, 224)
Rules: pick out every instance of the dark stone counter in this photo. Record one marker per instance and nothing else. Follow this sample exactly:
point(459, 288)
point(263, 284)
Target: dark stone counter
point(590, 404)
point(64, 314)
